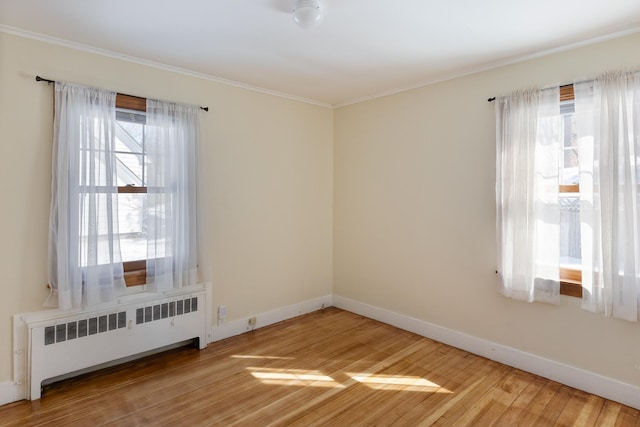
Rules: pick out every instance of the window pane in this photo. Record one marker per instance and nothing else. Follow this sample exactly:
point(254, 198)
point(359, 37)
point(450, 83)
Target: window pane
point(570, 248)
point(93, 212)
point(569, 166)
point(129, 168)
point(134, 227)
point(133, 233)
point(130, 153)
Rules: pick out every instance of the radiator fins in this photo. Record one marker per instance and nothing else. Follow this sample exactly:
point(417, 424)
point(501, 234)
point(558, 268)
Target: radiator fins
point(108, 322)
point(84, 327)
point(167, 309)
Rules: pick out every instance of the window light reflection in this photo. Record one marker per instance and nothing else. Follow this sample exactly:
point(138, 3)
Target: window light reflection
point(398, 382)
point(247, 356)
point(294, 377)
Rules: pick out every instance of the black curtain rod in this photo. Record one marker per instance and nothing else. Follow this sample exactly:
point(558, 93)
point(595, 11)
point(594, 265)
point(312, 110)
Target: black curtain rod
point(571, 84)
point(40, 79)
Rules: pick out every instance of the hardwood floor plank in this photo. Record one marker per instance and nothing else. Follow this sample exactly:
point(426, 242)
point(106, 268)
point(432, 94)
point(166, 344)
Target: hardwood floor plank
point(514, 412)
point(438, 415)
point(627, 417)
point(330, 367)
point(466, 410)
point(575, 405)
point(590, 412)
point(411, 411)
point(538, 404)
point(609, 414)
point(496, 401)
point(459, 383)
point(555, 407)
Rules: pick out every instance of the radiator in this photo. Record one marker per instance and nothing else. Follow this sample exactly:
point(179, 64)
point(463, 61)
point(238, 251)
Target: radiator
point(52, 343)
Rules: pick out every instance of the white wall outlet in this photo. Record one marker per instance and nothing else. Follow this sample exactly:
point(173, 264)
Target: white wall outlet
point(222, 314)
point(637, 366)
point(252, 322)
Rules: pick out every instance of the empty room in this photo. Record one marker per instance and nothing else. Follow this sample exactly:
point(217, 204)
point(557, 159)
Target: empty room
point(320, 212)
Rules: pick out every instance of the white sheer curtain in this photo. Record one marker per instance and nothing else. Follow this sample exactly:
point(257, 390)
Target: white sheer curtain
point(84, 258)
point(171, 134)
point(528, 132)
point(608, 126)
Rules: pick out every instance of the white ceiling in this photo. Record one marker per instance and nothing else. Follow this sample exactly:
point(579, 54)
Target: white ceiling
point(362, 49)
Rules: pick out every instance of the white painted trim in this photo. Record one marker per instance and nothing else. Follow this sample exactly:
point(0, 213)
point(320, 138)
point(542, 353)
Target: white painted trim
point(140, 61)
point(240, 326)
point(574, 377)
point(7, 392)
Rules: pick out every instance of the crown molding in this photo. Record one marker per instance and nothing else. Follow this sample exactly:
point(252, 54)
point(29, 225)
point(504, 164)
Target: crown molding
point(635, 28)
point(497, 64)
point(165, 67)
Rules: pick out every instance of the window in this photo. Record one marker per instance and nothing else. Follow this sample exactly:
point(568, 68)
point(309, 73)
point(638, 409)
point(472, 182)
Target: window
point(131, 164)
point(123, 195)
point(569, 199)
point(563, 232)
point(131, 167)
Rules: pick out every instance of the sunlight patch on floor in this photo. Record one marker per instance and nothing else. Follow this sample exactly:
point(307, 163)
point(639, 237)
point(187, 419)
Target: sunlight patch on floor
point(247, 356)
point(398, 382)
point(294, 377)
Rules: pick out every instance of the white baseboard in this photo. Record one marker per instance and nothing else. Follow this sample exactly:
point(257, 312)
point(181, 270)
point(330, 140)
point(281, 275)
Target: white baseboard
point(7, 392)
point(240, 326)
point(574, 377)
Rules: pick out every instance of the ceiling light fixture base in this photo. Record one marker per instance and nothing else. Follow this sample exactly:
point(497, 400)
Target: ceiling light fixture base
point(307, 13)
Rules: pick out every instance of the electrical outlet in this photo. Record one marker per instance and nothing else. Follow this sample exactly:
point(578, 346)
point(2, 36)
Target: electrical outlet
point(222, 314)
point(637, 366)
point(251, 323)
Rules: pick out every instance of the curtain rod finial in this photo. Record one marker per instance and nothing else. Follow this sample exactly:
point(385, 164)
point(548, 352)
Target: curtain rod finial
point(40, 79)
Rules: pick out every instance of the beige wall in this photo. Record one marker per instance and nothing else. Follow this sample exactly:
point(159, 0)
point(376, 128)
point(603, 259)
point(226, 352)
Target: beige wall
point(414, 214)
point(265, 181)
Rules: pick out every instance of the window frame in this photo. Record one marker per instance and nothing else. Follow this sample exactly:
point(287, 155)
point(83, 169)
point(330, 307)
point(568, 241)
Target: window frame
point(135, 272)
point(570, 278)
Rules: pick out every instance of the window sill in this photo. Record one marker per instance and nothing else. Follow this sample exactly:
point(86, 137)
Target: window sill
point(135, 278)
point(571, 288)
point(135, 272)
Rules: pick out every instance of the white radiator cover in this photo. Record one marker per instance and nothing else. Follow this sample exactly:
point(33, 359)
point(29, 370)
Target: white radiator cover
point(51, 343)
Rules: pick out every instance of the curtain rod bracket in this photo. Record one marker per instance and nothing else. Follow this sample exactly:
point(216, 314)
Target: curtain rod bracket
point(491, 99)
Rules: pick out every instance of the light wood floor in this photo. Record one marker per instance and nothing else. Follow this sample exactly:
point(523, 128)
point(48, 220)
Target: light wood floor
point(329, 368)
